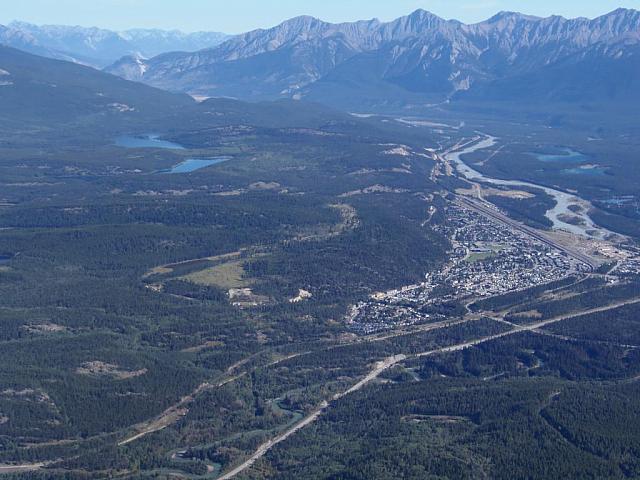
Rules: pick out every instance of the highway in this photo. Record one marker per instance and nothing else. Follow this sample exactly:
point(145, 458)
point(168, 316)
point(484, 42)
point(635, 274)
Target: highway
point(311, 417)
point(526, 328)
point(487, 211)
point(389, 362)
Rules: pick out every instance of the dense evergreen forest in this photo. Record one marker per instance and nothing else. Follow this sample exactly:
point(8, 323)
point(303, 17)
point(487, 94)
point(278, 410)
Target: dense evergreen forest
point(159, 325)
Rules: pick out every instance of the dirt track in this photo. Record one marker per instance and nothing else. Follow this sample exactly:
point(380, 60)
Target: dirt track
point(7, 469)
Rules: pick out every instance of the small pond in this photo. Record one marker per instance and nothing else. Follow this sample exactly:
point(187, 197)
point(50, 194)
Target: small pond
point(567, 155)
point(193, 164)
point(146, 141)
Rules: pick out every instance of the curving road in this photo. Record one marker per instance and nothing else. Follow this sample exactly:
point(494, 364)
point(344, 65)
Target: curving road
point(391, 361)
point(312, 417)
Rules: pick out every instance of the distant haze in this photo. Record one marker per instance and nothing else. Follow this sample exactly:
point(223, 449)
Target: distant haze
point(244, 15)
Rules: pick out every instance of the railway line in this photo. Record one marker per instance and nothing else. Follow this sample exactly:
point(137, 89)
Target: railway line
point(487, 211)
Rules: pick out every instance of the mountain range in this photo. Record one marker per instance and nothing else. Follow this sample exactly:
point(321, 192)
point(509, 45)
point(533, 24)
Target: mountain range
point(99, 47)
point(414, 60)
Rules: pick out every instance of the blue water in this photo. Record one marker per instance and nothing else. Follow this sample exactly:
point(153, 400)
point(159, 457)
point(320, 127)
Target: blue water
point(620, 200)
point(146, 141)
point(153, 141)
point(586, 171)
point(4, 259)
point(193, 164)
point(568, 156)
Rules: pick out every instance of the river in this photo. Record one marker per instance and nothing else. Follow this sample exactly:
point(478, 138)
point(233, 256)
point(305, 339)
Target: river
point(563, 200)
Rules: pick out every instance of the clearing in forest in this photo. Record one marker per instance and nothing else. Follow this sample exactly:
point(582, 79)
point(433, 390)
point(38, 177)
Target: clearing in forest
point(227, 275)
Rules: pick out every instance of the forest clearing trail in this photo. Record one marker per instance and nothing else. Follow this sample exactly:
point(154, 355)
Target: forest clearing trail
point(27, 467)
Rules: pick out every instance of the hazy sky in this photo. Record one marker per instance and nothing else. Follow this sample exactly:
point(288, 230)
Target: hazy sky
point(235, 16)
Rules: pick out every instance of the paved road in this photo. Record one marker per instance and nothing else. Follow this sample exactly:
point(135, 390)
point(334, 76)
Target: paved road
point(268, 445)
point(375, 373)
point(312, 417)
point(391, 361)
point(483, 209)
point(527, 328)
point(174, 413)
point(180, 409)
point(378, 369)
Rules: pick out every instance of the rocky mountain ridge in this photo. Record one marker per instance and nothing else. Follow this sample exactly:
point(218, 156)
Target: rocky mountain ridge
point(100, 47)
point(420, 57)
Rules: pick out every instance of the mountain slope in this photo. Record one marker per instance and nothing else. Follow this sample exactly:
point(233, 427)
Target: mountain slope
point(99, 47)
point(37, 91)
point(51, 102)
point(417, 58)
point(605, 72)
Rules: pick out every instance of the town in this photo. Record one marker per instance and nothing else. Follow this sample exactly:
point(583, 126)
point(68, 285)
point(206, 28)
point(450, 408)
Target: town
point(487, 258)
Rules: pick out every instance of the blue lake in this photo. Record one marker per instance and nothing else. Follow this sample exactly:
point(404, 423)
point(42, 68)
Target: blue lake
point(154, 141)
point(569, 155)
point(193, 164)
point(146, 141)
